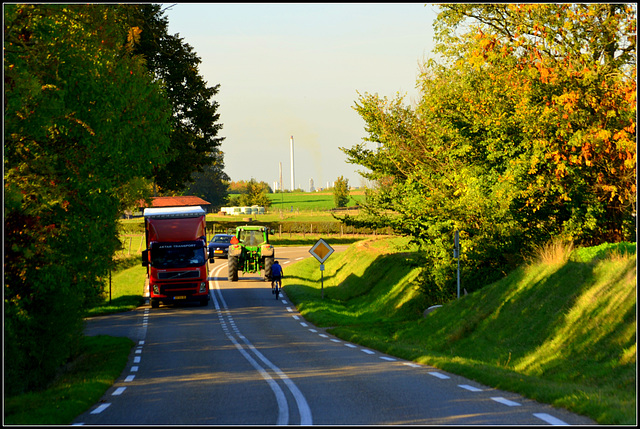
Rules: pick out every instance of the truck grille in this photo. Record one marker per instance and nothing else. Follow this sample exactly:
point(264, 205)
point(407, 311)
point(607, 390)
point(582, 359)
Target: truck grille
point(178, 289)
point(178, 275)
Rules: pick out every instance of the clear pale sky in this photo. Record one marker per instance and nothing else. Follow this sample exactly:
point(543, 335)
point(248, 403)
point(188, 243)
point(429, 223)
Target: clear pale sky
point(295, 69)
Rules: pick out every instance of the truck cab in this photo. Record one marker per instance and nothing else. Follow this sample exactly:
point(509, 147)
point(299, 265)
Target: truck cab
point(176, 255)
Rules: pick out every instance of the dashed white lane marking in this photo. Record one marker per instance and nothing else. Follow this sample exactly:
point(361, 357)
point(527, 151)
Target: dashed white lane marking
point(136, 359)
point(542, 416)
point(295, 317)
point(134, 369)
point(129, 378)
point(100, 409)
point(118, 391)
point(550, 419)
point(470, 388)
point(507, 402)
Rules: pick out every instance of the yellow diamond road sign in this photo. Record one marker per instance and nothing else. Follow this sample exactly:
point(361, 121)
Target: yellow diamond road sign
point(321, 250)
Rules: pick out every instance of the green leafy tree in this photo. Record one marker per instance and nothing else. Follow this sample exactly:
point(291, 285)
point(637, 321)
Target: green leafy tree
point(82, 120)
point(341, 192)
point(525, 131)
point(254, 194)
point(194, 137)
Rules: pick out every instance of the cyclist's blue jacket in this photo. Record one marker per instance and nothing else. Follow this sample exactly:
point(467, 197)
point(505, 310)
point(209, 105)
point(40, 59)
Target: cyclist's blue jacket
point(276, 270)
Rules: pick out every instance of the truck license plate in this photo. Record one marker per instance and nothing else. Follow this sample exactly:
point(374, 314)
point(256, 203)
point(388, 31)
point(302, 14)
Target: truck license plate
point(180, 297)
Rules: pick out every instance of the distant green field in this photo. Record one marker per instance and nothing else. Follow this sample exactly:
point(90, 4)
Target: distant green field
point(310, 200)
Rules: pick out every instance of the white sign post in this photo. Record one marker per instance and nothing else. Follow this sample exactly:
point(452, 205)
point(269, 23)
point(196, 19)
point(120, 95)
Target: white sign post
point(321, 251)
point(456, 254)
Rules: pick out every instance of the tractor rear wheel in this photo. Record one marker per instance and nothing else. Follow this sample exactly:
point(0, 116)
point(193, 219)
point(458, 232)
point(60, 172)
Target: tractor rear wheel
point(232, 268)
point(268, 262)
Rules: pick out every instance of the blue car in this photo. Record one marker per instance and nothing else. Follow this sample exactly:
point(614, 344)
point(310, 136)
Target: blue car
point(219, 246)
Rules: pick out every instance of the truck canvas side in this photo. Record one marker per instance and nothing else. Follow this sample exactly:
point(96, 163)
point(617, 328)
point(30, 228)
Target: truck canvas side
point(176, 255)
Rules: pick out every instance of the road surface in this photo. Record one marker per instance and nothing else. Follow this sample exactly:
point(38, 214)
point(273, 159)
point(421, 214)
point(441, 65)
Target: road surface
point(249, 359)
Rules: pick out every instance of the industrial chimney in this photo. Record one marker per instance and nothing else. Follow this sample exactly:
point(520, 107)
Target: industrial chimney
point(293, 182)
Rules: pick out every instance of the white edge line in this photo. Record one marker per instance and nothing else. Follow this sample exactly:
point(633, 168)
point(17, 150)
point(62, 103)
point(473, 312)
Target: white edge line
point(550, 419)
point(470, 388)
point(100, 409)
point(507, 402)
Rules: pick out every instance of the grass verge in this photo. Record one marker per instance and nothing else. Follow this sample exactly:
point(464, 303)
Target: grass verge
point(561, 330)
point(79, 386)
point(125, 293)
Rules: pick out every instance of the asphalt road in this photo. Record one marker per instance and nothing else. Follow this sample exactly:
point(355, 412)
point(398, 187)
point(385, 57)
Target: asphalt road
point(249, 359)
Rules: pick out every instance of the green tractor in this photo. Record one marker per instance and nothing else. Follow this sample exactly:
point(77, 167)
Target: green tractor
point(252, 254)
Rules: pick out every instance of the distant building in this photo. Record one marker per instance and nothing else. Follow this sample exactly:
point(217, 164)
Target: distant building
point(182, 201)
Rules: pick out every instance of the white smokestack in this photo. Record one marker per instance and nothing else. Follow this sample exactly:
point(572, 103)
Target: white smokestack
point(293, 182)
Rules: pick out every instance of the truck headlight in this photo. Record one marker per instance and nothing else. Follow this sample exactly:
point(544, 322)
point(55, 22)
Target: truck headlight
point(203, 287)
point(156, 289)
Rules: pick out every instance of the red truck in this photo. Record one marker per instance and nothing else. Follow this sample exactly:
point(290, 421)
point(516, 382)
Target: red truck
point(176, 255)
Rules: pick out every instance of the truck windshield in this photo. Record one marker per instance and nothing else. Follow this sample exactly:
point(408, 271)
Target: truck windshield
point(251, 238)
point(177, 255)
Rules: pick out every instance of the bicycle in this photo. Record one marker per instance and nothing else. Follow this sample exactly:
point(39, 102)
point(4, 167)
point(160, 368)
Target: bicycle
point(276, 285)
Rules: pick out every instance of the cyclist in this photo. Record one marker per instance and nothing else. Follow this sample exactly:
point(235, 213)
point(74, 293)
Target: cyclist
point(276, 274)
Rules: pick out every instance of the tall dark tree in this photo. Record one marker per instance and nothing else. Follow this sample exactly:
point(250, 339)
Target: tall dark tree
point(82, 121)
point(211, 185)
point(194, 137)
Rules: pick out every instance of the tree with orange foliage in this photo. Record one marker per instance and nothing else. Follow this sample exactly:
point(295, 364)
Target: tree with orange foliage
point(525, 131)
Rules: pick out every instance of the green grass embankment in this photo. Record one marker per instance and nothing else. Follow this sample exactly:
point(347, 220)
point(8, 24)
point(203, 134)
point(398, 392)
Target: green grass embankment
point(560, 330)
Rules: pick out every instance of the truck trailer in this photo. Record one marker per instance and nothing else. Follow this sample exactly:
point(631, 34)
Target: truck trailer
point(176, 255)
